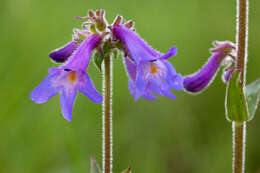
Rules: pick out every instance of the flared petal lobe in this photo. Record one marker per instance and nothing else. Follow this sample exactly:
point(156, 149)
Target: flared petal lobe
point(45, 90)
point(62, 54)
point(90, 91)
point(67, 102)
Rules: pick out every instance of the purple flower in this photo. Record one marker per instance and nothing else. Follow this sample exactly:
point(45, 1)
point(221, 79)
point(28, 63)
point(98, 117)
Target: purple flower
point(63, 53)
point(202, 78)
point(227, 74)
point(70, 78)
point(148, 70)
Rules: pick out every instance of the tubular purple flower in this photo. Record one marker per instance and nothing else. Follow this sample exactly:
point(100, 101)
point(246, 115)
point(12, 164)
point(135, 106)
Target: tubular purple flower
point(148, 70)
point(70, 78)
point(201, 79)
point(62, 54)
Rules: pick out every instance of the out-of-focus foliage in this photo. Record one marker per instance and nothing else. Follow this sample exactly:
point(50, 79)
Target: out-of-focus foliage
point(182, 136)
point(253, 96)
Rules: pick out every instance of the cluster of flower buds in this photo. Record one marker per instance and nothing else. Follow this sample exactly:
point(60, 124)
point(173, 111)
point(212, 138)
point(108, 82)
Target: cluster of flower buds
point(222, 55)
point(148, 69)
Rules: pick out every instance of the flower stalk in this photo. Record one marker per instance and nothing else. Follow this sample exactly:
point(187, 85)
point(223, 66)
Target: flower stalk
point(239, 128)
point(239, 138)
point(107, 116)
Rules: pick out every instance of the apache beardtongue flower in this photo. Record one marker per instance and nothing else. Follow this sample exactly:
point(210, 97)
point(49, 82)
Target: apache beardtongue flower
point(70, 78)
point(148, 70)
point(201, 79)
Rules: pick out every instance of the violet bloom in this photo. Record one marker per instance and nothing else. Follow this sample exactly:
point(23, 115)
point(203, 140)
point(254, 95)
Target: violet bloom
point(63, 53)
point(148, 69)
point(201, 79)
point(70, 78)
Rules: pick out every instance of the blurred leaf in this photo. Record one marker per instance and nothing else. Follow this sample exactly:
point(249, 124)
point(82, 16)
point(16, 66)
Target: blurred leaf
point(94, 166)
point(236, 107)
point(98, 59)
point(128, 170)
point(252, 98)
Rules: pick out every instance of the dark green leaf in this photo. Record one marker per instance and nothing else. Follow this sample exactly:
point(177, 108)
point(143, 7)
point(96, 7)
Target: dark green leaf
point(236, 107)
point(252, 98)
point(98, 59)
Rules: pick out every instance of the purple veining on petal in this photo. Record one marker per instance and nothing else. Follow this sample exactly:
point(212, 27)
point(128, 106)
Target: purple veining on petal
point(70, 78)
point(62, 54)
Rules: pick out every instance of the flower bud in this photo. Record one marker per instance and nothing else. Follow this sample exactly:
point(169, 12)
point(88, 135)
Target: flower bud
point(201, 79)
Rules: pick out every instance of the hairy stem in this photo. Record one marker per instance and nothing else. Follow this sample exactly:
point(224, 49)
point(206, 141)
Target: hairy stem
point(242, 34)
point(239, 144)
point(107, 116)
point(239, 128)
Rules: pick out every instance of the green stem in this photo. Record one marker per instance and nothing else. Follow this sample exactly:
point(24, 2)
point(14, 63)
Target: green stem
point(239, 144)
point(107, 116)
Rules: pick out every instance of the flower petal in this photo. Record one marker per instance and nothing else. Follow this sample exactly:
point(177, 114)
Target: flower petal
point(138, 49)
point(141, 82)
point(170, 95)
point(67, 102)
point(176, 81)
point(148, 95)
point(90, 91)
point(81, 57)
point(63, 53)
point(201, 79)
point(130, 67)
point(171, 52)
point(44, 91)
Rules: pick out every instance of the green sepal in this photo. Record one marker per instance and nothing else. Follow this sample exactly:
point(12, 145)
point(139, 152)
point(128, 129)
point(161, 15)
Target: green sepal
point(93, 29)
point(252, 98)
point(98, 59)
point(115, 53)
point(236, 106)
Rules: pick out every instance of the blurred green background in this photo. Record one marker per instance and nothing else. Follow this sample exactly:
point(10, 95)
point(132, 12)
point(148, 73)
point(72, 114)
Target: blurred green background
point(189, 135)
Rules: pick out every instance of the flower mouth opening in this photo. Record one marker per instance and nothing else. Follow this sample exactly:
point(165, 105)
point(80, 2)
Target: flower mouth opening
point(67, 70)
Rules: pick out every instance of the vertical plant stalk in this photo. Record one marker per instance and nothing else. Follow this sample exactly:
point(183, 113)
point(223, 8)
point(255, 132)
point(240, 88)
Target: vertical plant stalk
point(239, 138)
point(239, 128)
point(241, 37)
point(107, 116)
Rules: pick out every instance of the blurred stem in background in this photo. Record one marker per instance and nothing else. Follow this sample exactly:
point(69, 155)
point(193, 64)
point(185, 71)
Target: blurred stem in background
point(239, 128)
point(107, 116)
